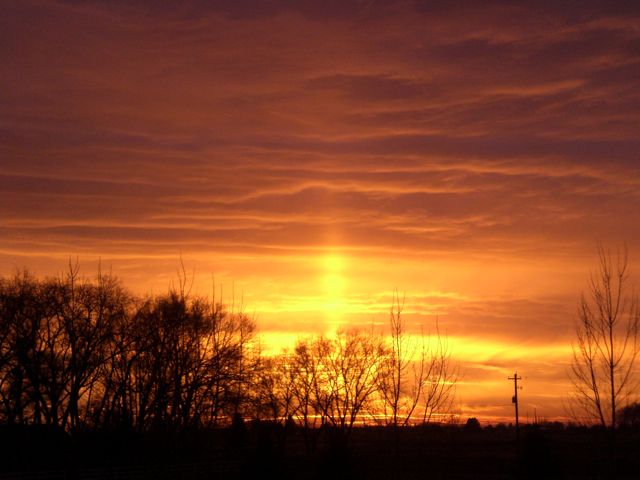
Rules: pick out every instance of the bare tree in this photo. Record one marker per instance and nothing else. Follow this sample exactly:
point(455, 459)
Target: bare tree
point(22, 311)
point(607, 342)
point(88, 310)
point(440, 378)
point(403, 375)
point(273, 389)
point(418, 376)
point(309, 386)
point(81, 353)
point(54, 346)
point(353, 367)
point(190, 362)
point(334, 381)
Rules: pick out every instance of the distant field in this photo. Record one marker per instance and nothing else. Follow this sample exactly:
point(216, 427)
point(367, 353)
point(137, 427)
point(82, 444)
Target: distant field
point(369, 453)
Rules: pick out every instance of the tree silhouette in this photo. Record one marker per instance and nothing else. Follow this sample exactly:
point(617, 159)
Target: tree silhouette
point(55, 334)
point(80, 353)
point(630, 416)
point(352, 367)
point(418, 373)
point(309, 388)
point(22, 312)
point(607, 342)
point(403, 374)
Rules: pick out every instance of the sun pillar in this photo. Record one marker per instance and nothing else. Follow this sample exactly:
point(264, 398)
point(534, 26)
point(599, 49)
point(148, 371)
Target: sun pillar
point(333, 290)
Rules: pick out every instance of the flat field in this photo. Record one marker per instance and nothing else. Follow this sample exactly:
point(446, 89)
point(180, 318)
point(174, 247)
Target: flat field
point(268, 451)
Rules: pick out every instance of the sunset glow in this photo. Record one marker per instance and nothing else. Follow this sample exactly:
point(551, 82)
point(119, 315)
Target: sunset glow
point(334, 286)
point(309, 161)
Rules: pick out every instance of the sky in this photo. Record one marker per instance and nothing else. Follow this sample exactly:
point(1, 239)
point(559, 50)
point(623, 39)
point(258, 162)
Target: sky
point(310, 159)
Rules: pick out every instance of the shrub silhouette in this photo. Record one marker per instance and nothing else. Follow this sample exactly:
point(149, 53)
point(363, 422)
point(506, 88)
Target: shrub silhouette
point(472, 425)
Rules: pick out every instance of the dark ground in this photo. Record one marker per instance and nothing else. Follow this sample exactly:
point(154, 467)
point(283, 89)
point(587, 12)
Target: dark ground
point(434, 452)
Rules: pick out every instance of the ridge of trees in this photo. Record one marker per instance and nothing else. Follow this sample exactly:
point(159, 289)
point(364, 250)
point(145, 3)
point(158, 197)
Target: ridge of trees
point(86, 354)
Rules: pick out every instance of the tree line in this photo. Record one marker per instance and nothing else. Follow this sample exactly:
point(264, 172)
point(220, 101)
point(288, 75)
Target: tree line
point(81, 353)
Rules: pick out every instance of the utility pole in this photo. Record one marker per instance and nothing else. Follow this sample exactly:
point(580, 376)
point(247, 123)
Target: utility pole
point(514, 400)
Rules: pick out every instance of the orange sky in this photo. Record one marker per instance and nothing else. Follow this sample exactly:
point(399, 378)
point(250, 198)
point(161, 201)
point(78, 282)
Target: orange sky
point(315, 157)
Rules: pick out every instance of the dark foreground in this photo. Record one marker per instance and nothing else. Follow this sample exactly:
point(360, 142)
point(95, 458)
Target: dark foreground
point(264, 451)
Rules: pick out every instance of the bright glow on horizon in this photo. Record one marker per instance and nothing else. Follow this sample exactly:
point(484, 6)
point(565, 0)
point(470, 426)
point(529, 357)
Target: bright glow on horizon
point(483, 366)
